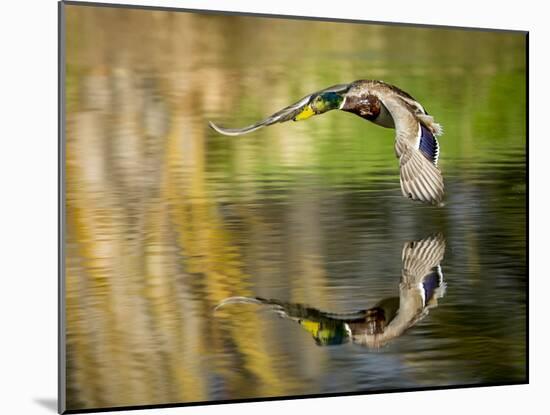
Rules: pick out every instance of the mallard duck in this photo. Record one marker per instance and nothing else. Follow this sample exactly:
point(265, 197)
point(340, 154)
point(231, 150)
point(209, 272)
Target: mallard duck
point(420, 287)
point(416, 144)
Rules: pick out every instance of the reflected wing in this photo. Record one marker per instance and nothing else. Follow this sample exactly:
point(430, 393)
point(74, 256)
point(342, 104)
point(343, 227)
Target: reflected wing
point(421, 261)
point(421, 284)
point(286, 114)
point(326, 328)
point(292, 311)
point(239, 300)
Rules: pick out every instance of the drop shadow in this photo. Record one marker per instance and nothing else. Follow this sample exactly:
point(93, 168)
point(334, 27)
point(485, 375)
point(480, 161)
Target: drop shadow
point(48, 403)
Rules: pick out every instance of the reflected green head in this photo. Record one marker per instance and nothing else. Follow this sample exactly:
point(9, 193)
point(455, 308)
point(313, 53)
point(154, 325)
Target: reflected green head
point(326, 333)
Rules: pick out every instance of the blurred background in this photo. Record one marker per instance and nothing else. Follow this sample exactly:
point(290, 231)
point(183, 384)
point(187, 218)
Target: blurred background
point(165, 218)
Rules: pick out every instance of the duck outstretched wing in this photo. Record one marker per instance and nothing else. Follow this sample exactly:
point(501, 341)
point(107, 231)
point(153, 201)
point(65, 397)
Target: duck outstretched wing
point(416, 143)
point(299, 110)
point(420, 177)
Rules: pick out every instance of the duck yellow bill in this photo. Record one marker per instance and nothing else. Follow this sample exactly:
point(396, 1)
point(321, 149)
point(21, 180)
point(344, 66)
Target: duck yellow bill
point(305, 114)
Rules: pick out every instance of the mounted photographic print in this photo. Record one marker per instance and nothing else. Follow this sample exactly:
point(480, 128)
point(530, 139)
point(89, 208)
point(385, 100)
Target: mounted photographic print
point(259, 207)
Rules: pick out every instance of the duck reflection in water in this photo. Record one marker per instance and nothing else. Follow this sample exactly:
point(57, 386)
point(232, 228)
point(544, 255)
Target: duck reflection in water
point(420, 287)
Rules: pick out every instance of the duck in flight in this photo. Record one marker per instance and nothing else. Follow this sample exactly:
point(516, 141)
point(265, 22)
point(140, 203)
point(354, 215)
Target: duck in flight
point(420, 287)
point(416, 132)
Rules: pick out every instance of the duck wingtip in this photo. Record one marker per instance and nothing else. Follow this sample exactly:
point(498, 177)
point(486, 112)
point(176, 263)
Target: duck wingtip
point(215, 127)
point(222, 130)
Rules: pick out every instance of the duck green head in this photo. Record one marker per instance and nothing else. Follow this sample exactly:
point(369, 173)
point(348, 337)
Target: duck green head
point(320, 103)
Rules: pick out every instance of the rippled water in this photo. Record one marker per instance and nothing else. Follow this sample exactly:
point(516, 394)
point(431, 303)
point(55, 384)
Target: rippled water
point(165, 218)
